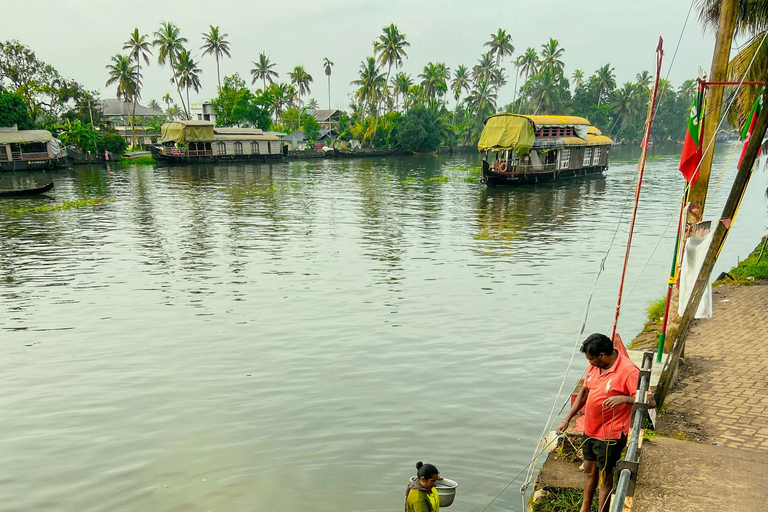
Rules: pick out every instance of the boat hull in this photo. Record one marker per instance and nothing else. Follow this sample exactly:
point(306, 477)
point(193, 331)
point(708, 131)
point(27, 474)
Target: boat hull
point(493, 179)
point(26, 192)
point(31, 165)
point(184, 159)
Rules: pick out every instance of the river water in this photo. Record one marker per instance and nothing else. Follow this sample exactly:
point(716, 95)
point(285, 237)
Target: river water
point(295, 336)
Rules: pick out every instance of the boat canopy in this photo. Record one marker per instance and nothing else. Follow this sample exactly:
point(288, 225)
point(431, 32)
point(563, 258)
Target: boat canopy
point(237, 131)
point(507, 131)
point(244, 138)
point(187, 131)
point(24, 136)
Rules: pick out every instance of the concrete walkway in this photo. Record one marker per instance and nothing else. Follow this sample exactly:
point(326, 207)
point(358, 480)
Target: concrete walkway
point(726, 400)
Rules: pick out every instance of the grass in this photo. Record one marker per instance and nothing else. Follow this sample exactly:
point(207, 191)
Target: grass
point(562, 500)
point(438, 179)
point(142, 160)
point(750, 270)
point(66, 205)
point(655, 310)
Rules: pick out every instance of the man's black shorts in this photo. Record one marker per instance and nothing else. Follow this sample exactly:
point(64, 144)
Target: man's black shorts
point(605, 453)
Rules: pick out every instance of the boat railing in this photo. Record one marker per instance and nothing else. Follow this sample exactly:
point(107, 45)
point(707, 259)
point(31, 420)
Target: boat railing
point(198, 152)
point(17, 155)
point(531, 168)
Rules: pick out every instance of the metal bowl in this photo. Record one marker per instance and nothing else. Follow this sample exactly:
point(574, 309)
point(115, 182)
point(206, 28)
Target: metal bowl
point(446, 490)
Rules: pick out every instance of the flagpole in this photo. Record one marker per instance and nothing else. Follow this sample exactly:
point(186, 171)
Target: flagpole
point(640, 168)
point(672, 277)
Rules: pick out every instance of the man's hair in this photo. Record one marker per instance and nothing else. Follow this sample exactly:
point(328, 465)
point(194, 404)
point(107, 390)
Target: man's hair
point(597, 344)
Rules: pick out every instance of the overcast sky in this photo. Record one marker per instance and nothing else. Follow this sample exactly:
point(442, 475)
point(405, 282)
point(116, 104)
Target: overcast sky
point(78, 37)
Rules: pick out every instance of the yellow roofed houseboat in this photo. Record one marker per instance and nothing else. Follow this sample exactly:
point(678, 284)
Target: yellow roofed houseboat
point(522, 149)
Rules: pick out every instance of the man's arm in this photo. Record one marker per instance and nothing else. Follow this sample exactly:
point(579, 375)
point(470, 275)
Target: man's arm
point(581, 399)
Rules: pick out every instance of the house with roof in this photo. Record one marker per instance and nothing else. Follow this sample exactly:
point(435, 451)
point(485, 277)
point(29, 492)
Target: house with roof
point(328, 119)
point(298, 139)
point(117, 114)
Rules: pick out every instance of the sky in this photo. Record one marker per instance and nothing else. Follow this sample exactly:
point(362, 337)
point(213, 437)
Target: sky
point(79, 37)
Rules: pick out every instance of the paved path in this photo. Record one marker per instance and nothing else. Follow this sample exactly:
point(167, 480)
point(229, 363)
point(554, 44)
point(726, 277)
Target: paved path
point(729, 396)
point(727, 399)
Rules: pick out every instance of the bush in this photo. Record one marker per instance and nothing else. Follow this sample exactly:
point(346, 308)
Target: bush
point(419, 130)
point(112, 142)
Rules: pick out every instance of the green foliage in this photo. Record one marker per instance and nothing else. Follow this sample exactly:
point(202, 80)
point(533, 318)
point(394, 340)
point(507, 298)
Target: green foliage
point(112, 142)
point(655, 310)
point(65, 205)
point(750, 270)
point(562, 500)
point(76, 133)
point(235, 105)
point(310, 126)
point(140, 161)
point(13, 110)
point(419, 130)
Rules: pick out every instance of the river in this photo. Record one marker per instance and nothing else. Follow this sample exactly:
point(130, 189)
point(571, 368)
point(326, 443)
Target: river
point(296, 336)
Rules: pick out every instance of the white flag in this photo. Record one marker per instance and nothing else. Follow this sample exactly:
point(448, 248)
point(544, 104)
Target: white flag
point(693, 258)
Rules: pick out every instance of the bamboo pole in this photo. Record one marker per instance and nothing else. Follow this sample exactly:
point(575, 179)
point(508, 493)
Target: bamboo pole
point(718, 239)
point(712, 108)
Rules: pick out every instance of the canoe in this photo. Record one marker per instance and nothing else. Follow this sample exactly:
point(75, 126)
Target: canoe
point(26, 192)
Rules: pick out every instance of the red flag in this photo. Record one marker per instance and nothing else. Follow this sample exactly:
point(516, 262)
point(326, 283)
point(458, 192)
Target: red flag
point(689, 163)
point(749, 127)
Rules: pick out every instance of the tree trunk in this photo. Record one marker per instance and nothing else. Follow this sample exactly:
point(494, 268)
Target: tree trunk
point(218, 75)
point(714, 97)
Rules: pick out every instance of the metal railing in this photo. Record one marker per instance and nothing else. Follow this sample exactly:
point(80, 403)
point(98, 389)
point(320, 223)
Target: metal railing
point(531, 168)
point(627, 467)
point(28, 156)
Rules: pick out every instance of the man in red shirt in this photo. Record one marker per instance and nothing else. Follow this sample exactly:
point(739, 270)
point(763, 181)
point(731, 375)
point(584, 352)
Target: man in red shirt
point(607, 396)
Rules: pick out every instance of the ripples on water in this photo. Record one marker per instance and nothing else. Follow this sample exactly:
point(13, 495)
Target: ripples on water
point(295, 336)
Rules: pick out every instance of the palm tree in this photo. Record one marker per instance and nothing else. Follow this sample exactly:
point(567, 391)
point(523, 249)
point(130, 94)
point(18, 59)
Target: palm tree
point(501, 45)
point(138, 49)
point(301, 80)
point(461, 79)
point(482, 100)
point(434, 80)
point(529, 63)
point(154, 105)
point(544, 88)
point(401, 83)
point(577, 78)
point(327, 65)
point(124, 74)
point(604, 81)
point(169, 43)
point(623, 104)
point(187, 74)
point(390, 49)
point(550, 57)
point(370, 84)
point(216, 44)
point(263, 71)
point(688, 89)
point(483, 70)
point(644, 79)
point(167, 99)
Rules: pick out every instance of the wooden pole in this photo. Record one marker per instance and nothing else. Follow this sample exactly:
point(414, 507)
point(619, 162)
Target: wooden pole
point(718, 239)
point(712, 109)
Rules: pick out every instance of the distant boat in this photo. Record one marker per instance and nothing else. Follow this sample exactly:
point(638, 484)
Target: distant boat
point(26, 191)
point(538, 149)
point(30, 149)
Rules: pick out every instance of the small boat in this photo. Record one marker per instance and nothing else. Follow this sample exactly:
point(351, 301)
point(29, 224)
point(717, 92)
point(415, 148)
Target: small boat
point(30, 149)
point(538, 149)
point(26, 191)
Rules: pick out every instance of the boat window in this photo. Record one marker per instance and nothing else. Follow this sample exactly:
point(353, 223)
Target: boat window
point(238, 148)
point(254, 147)
point(587, 157)
point(269, 148)
point(221, 148)
point(596, 157)
point(565, 158)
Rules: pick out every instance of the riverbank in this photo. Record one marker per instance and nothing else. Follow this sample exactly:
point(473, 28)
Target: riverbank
point(707, 452)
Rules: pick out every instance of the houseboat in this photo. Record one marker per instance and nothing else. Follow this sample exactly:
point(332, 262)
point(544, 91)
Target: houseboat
point(201, 141)
point(521, 149)
point(30, 149)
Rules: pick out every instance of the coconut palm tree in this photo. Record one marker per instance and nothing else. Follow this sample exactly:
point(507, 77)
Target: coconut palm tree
point(550, 57)
point(482, 100)
point(370, 84)
point(543, 87)
point(483, 70)
point(216, 44)
point(138, 49)
point(390, 49)
point(577, 78)
point(688, 89)
point(604, 81)
point(529, 63)
point(327, 65)
point(263, 71)
point(124, 74)
point(461, 82)
point(154, 105)
point(187, 74)
point(167, 99)
point(169, 44)
point(301, 80)
point(624, 105)
point(500, 45)
point(401, 83)
point(434, 80)
point(644, 80)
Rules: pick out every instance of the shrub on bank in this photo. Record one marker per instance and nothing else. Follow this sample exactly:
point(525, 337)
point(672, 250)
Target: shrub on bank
point(112, 142)
point(754, 268)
